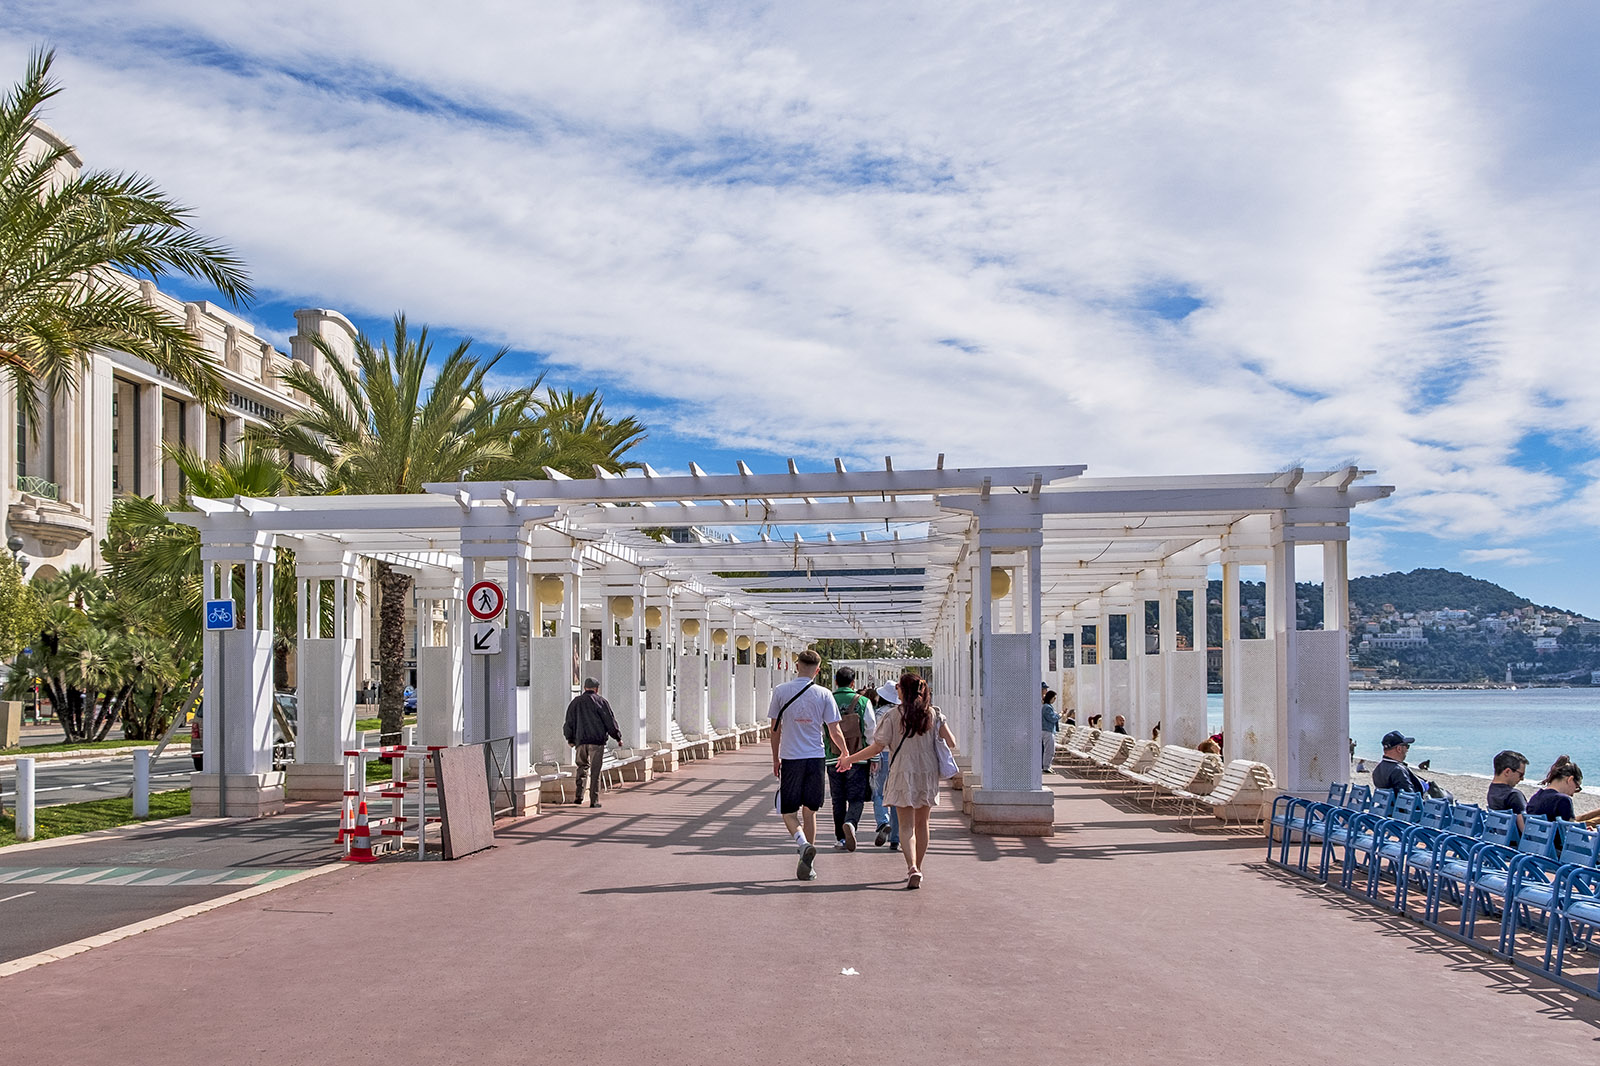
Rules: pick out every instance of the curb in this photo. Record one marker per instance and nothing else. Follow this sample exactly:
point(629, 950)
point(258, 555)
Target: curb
point(78, 947)
point(131, 829)
point(83, 754)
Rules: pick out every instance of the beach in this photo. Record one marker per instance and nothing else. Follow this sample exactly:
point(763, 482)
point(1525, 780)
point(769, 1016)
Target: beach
point(1469, 788)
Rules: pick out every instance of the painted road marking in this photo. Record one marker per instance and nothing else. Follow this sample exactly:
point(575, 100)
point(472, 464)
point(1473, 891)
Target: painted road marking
point(19, 895)
point(139, 877)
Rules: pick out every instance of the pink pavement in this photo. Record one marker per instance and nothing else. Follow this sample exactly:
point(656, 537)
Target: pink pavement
point(667, 927)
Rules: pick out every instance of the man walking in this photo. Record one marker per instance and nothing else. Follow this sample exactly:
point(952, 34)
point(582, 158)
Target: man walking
point(799, 712)
point(851, 789)
point(589, 722)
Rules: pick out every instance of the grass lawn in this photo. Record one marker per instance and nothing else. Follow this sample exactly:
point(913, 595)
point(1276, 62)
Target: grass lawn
point(368, 725)
point(75, 745)
point(69, 818)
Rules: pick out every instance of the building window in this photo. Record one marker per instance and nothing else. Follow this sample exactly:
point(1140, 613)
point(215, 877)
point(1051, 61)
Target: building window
point(22, 440)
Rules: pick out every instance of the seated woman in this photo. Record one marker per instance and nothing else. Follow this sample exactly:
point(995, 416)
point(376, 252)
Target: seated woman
point(1554, 798)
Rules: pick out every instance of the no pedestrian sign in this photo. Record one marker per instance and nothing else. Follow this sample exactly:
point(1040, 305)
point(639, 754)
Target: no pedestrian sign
point(486, 600)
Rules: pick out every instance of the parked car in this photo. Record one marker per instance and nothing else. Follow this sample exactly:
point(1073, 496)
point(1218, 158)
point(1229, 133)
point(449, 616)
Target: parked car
point(282, 746)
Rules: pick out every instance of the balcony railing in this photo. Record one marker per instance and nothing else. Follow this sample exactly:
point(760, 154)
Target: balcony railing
point(38, 486)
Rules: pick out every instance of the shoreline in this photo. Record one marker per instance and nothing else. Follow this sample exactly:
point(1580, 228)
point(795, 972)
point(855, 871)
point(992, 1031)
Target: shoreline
point(1472, 788)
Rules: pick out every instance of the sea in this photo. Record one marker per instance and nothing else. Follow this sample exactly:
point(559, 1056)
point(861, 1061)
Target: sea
point(1459, 730)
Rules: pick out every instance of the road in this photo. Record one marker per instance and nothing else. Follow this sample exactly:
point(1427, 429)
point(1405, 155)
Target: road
point(105, 778)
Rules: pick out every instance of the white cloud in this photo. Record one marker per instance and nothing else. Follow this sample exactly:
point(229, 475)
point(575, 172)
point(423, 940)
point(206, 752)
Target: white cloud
point(1502, 556)
point(762, 221)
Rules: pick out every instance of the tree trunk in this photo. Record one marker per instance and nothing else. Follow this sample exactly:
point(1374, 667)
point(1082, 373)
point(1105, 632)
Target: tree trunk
point(395, 589)
point(280, 665)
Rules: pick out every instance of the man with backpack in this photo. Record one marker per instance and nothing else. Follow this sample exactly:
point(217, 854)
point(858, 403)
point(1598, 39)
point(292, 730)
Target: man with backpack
point(801, 715)
point(851, 789)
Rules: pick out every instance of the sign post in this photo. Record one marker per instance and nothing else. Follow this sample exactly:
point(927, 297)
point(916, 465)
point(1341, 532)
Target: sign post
point(485, 601)
point(219, 616)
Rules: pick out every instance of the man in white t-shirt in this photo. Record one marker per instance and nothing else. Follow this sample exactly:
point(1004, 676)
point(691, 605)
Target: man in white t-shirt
point(800, 710)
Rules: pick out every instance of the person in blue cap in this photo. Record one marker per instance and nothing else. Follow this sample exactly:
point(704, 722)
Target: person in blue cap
point(1393, 773)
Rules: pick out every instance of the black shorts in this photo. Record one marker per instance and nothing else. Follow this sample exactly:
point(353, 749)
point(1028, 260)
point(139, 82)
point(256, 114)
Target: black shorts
point(799, 785)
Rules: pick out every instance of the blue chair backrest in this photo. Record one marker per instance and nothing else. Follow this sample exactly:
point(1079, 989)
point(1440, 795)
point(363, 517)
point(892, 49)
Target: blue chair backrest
point(1579, 846)
point(1359, 798)
point(1435, 813)
point(1499, 827)
point(1407, 806)
point(1466, 820)
point(1382, 802)
point(1538, 837)
point(1336, 794)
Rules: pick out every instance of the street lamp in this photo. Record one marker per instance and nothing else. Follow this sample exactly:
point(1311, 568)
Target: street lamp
point(15, 544)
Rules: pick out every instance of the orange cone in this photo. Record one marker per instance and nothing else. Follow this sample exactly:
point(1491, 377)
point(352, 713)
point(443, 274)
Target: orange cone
point(361, 839)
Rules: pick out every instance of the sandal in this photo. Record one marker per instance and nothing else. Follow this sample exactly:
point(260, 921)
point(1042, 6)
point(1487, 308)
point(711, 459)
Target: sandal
point(914, 879)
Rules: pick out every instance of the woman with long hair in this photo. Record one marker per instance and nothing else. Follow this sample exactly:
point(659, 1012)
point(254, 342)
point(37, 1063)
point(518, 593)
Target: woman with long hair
point(913, 782)
point(1554, 798)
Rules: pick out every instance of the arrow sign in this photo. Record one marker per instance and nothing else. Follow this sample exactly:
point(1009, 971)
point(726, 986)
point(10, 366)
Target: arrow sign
point(486, 600)
point(485, 638)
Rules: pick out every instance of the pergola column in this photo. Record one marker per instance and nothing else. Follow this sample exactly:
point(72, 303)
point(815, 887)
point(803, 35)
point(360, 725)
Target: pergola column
point(622, 608)
point(744, 674)
point(237, 778)
point(495, 705)
point(657, 625)
point(1011, 799)
point(439, 661)
point(693, 636)
point(1313, 665)
point(719, 676)
point(325, 662)
point(1252, 723)
point(555, 645)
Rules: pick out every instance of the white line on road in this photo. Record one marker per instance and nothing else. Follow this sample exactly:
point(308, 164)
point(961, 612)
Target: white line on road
point(19, 895)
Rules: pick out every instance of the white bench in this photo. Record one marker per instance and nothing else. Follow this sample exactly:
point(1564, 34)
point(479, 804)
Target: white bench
point(1174, 768)
point(698, 747)
point(1245, 787)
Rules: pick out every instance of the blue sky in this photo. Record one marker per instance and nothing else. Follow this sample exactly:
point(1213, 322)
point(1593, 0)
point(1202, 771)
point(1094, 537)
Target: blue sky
point(1153, 238)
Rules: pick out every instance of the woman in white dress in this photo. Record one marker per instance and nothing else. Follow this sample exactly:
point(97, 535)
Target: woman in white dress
point(909, 737)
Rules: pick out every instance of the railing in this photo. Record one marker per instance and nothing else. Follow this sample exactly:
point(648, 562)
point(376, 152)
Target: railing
point(38, 486)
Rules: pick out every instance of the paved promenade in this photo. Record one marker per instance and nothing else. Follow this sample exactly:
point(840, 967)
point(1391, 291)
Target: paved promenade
point(667, 927)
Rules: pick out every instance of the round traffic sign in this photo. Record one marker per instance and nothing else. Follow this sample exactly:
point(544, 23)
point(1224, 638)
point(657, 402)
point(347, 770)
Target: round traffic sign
point(486, 600)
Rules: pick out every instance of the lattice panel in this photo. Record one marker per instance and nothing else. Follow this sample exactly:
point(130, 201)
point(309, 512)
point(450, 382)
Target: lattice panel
point(1011, 714)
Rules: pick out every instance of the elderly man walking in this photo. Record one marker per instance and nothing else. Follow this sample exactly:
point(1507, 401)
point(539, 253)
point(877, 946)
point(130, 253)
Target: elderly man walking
point(589, 722)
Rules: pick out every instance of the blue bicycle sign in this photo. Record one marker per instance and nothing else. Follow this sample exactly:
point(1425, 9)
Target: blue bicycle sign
point(219, 614)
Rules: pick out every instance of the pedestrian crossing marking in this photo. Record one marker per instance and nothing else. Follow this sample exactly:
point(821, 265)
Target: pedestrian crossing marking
point(139, 876)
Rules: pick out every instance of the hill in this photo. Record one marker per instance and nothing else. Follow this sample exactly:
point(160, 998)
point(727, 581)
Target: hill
point(1431, 590)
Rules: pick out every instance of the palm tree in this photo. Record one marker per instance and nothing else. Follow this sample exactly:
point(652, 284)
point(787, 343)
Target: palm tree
point(152, 558)
point(383, 428)
point(568, 432)
point(67, 246)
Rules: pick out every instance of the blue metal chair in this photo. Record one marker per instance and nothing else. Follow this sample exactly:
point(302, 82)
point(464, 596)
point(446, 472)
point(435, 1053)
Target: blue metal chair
point(1342, 825)
point(1534, 882)
point(1401, 846)
point(1289, 814)
point(1453, 868)
point(1357, 797)
point(1370, 830)
point(1494, 868)
point(1577, 915)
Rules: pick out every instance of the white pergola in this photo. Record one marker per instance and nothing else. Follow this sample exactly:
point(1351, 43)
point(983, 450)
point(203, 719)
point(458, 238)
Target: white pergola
point(696, 633)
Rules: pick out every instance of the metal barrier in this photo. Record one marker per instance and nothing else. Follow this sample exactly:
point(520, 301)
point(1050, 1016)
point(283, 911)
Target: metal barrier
point(497, 764)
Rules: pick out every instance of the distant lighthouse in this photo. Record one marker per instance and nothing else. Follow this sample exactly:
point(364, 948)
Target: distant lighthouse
point(1508, 673)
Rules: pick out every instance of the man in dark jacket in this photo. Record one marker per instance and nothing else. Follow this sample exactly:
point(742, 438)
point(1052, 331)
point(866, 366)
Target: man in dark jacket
point(589, 722)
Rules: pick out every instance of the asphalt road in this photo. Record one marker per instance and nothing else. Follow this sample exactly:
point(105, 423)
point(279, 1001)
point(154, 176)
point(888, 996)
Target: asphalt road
point(64, 892)
point(74, 781)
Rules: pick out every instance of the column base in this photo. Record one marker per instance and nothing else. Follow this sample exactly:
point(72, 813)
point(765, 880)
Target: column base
point(249, 795)
point(1007, 812)
point(525, 793)
point(313, 781)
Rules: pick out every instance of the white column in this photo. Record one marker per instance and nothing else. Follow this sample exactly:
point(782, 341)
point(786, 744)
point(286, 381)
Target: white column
point(194, 429)
point(150, 462)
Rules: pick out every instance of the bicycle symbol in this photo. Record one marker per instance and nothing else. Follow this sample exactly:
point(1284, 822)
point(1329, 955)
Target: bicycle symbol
point(220, 614)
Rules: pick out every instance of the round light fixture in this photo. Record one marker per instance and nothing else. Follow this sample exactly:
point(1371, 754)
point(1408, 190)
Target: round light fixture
point(719, 636)
point(999, 582)
point(622, 606)
point(652, 616)
point(690, 627)
point(551, 591)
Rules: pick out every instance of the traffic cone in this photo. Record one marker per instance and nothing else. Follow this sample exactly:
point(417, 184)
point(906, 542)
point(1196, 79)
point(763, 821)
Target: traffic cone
point(361, 839)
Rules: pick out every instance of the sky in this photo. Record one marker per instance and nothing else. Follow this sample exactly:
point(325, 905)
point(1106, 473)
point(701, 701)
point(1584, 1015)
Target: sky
point(1154, 238)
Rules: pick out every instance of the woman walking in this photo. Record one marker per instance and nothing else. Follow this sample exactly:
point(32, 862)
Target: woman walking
point(1051, 722)
point(912, 788)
